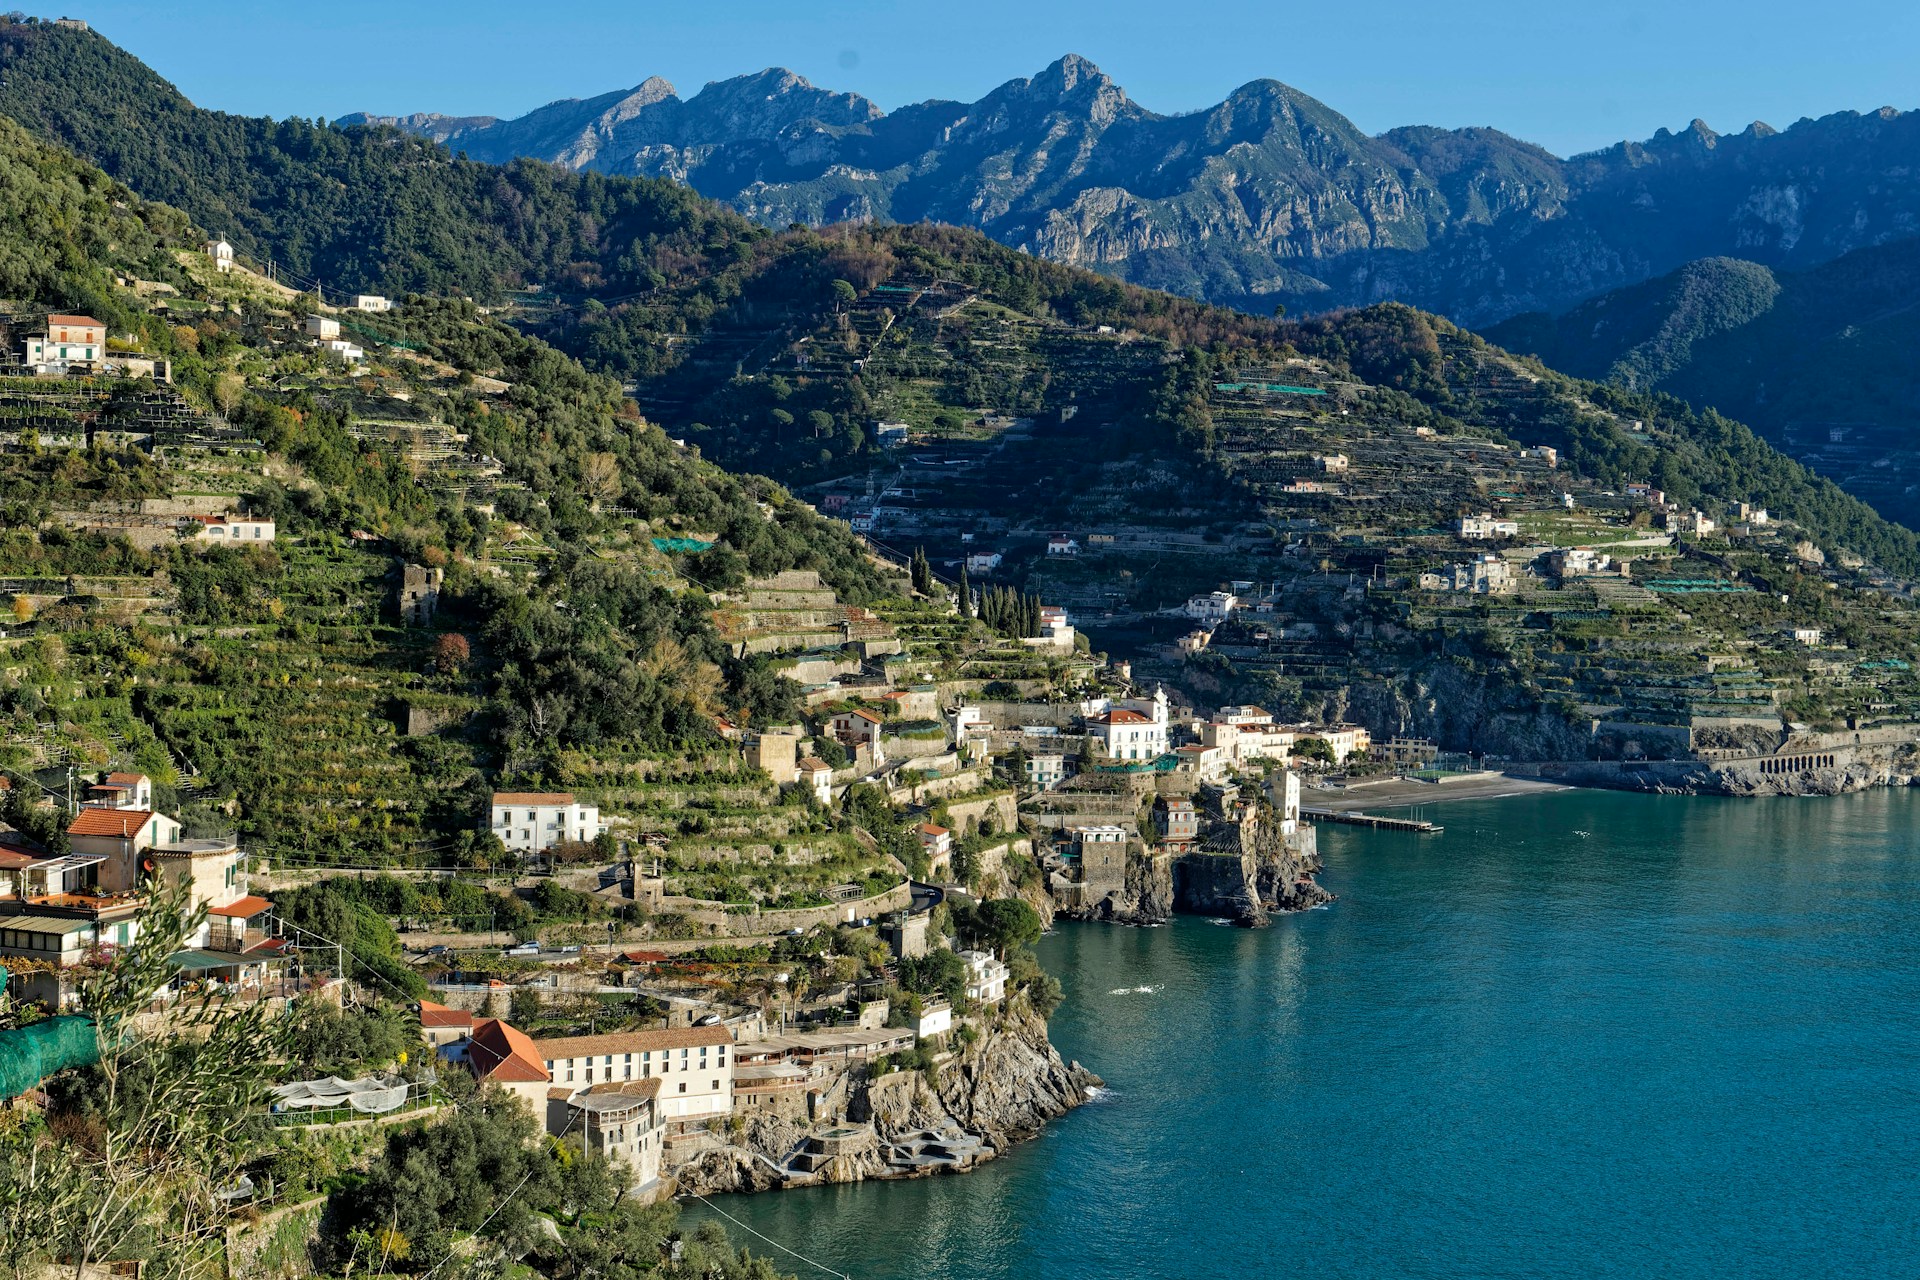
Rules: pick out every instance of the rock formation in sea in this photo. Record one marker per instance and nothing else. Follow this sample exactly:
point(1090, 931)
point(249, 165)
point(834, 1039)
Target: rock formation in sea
point(989, 1094)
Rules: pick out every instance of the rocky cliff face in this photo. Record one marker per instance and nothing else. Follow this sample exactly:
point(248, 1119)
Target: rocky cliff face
point(1270, 872)
point(1146, 898)
point(1268, 196)
point(1001, 1089)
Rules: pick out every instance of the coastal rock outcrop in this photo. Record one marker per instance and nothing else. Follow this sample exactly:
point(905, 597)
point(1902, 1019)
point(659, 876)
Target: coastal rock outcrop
point(972, 1105)
point(1272, 870)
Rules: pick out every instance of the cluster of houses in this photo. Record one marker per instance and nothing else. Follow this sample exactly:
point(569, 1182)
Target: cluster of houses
point(652, 1100)
point(59, 910)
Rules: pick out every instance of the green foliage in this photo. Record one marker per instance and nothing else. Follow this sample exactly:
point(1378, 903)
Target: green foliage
point(999, 924)
point(327, 1040)
point(124, 1167)
point(940, 972)
point(357, 208)
point(65, 228)
point(1692, 454)
point(338, 912)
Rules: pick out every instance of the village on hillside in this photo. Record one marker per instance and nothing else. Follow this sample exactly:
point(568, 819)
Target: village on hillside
point(747, 961)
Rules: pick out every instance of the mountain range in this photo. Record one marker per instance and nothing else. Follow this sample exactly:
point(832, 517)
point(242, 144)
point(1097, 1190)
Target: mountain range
point(1269, 197)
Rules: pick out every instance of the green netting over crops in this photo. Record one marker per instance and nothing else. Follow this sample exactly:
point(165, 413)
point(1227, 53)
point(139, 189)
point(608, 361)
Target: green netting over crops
point(676, 545)
point(31, 1054)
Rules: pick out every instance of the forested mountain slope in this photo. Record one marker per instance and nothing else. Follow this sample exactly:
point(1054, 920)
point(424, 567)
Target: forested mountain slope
point(353, 209)
point(262, 686)
point(1817, 360)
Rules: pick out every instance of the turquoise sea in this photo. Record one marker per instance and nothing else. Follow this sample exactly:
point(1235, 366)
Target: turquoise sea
point(1577, 1034)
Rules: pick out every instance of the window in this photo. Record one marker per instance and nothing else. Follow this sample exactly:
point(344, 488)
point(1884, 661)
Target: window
point(683, 1086)
point(716, 1085)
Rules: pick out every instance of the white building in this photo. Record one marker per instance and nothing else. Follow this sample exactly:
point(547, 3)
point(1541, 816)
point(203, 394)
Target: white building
point(1345, 739)
point(1283, 788)
point(936, 1019)
point(1484, 526)
point(1805, 635)
point(1485, 574)
point(1062, 545)
point(69, 340)
point(1134, 729)
point(936, 840)
point(859, 726)
point(533, 821)
point(1214, 607)
point(221, 254)
point(231, 530)
point(622, 1122)
point(1245, 740)
point(1331, 463)
point(1572, 562)
point(693, 1064)
point(983, 561)
point(986, 977)
point(371, 302)
point(817, 775)
point(350, 352)
point(1046, 770)
point(322, 327)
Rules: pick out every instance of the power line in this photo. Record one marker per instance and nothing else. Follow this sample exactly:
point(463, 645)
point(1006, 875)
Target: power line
point(818, 1266)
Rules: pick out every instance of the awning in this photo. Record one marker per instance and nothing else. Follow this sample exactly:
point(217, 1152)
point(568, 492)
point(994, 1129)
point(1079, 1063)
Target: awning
point(242, 908)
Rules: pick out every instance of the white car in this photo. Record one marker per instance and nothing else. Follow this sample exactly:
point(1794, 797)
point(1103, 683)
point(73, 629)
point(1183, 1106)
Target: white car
point(524, 949)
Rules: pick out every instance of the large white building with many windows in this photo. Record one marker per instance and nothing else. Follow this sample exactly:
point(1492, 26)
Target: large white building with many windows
point(535, 821)
point(694, 1066)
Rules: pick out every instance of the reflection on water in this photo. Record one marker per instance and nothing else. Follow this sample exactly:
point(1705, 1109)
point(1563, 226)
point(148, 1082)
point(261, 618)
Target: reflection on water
point(1580, 1034)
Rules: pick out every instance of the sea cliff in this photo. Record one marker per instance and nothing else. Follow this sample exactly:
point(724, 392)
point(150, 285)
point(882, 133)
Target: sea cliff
point(971, 1105)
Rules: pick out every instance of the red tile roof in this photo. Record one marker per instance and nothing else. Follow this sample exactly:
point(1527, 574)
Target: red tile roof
point(126, 779)
point(240, 908)
point(109, 822)
point(497, 1051)
point(929, 829)
point(629, 1042)
point(533, 797)
point(76, 321)
point(864, 714)
point(441, 1016)
point(1124, 716)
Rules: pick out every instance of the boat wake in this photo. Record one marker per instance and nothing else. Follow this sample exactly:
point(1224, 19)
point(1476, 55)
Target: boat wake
point(1220, 920)
point(1135, 991)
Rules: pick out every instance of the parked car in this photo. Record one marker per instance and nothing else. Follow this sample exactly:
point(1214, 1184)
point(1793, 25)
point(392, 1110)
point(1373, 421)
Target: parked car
point(437, 949)
point(711, 1020)
point(571, 949)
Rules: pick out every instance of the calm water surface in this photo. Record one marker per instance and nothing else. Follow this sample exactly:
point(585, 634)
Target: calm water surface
point(1579, 1034)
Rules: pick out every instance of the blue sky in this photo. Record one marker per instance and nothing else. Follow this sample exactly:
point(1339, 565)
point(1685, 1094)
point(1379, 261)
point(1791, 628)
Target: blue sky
point(1570, 77)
